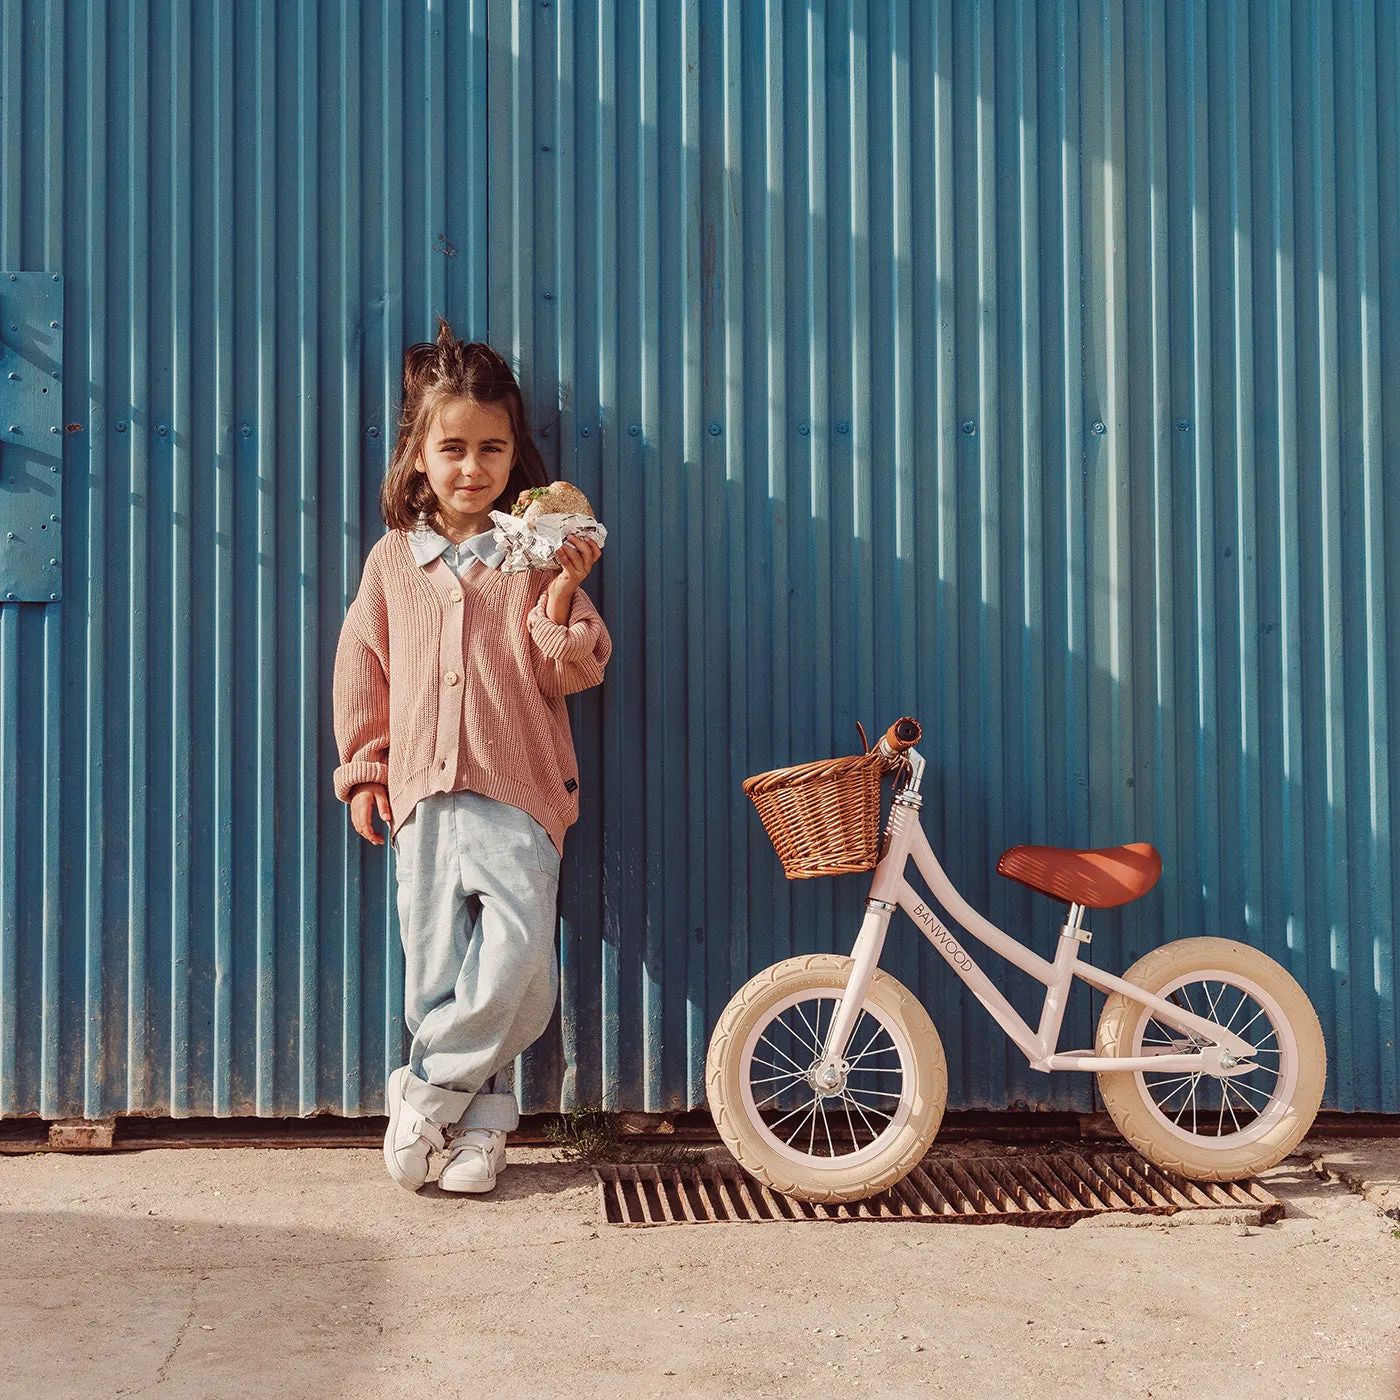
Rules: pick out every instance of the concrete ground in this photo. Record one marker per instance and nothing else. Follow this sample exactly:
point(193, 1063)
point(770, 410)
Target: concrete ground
point(305, 1272)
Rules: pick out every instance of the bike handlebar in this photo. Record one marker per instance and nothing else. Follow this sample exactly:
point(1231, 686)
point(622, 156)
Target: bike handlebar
point(901, 735)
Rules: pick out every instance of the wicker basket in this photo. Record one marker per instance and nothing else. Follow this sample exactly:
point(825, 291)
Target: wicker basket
point(822, 818)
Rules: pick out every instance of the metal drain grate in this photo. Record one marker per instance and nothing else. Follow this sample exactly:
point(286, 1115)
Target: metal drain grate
point(1024, 1189)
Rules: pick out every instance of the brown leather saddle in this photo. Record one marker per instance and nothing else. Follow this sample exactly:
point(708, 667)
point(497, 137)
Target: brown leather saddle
point(1097, 879)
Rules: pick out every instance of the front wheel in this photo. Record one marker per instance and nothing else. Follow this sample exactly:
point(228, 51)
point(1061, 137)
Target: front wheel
point(1206, 1127)
point(832, 1143)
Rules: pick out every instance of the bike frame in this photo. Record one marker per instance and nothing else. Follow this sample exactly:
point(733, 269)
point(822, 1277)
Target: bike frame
point(1223, 1053)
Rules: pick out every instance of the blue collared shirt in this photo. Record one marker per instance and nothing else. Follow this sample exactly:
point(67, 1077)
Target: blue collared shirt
point(428, 545)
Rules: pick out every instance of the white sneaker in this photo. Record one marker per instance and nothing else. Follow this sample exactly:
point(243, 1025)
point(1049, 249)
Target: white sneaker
point(410, 1138)
point(474, 1160)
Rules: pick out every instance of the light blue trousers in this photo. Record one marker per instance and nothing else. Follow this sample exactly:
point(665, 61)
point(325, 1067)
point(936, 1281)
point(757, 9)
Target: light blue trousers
point(477, 887)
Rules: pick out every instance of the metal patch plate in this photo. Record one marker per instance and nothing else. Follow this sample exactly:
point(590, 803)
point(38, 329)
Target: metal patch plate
point(31, 436)
point(1024, 1189)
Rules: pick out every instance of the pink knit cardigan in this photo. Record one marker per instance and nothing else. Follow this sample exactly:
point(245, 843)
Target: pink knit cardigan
point(444, 684)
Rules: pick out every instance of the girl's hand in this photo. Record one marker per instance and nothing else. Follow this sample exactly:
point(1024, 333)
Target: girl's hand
point(364, 801)
point(575, 558)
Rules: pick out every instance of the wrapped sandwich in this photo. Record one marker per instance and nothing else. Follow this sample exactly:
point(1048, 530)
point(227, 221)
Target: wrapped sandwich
point(539, 522)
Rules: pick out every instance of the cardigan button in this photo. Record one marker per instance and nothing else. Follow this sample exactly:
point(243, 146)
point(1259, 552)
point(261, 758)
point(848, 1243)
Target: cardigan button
point(452, 678)
point(455, 596)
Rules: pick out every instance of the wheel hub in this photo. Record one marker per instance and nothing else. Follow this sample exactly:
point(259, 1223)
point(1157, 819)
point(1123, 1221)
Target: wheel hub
point(830, 1080)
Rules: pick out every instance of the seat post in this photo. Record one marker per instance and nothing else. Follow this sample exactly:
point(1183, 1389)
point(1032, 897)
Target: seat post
point(1074, 925)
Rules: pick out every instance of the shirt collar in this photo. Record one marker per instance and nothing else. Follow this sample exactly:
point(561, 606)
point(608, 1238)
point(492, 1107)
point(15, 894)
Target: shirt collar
point(427, 545)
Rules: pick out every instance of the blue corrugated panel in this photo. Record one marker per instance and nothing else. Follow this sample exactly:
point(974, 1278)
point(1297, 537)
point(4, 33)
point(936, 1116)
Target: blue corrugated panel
point(1020, 366)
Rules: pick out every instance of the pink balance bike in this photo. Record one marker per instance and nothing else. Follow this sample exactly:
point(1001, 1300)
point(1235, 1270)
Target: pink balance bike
point(826, 1076)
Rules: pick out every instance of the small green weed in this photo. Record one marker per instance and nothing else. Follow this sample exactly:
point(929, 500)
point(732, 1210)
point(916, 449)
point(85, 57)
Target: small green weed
point(590, 1135)
point(585, 1135)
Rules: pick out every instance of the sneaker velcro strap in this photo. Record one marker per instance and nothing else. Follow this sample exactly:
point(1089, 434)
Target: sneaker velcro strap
point(423, 1127)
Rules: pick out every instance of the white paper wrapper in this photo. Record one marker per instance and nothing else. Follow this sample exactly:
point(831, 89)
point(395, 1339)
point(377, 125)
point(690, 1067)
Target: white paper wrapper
point(534, 547)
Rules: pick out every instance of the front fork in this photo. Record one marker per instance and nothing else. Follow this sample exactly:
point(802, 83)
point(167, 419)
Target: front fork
point(829, 1073)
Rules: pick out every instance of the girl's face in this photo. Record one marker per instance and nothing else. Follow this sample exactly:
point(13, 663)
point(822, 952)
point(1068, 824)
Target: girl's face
point(467, 456)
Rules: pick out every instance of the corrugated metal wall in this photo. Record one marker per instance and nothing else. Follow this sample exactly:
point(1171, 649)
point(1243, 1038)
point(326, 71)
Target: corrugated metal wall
point(1031, 368)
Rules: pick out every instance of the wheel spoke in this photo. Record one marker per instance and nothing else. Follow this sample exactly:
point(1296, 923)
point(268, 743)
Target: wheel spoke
point(1188, 1102)
point(869, 1107)
point(1161, 1077)
point(850, 1123)
point(1182, 1089)
point(1180, 1082)
point(778, 1050)
point(870, 1128)
point(1211, 1002)
point(797, 1130)
point(815, 1044)
point(785, 1117)
point(770, 1078)
point(1243, 1002)
point(1225, 1094)
point(851, 1059)
point(1241, 1086)
point(776, 1094)
point(1251, 1021)
point(883, 1050)
point(830, 1146)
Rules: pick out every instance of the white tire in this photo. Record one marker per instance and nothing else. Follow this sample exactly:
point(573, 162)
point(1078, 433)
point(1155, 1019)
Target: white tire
point(1205, 1127)
point(821, 1150)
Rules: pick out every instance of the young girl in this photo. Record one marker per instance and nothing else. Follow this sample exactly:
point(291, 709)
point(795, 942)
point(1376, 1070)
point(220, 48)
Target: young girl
point(449, 689)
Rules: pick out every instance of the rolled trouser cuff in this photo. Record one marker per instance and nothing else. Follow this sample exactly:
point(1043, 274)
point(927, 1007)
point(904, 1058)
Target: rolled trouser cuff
point(439, 1105)
point(498, 1111)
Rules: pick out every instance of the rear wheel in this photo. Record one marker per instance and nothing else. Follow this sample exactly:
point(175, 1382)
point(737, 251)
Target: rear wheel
point(1208, 1127)
point(829, 1143)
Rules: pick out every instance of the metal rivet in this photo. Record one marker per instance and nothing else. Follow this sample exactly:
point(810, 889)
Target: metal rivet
point(53, 563)
point(803, 429)
point(14, 328)
point(843, 427)
point(1182, 426)
point(374, 432)
point(1099, 429)
point(13, 375)
point(53, 325)
point(549, 296)
point(53, 517)
point(14, 277)
point(969, 428)
point(162, 430)
point(56, 277)
point(544, 148)
point(53, 469)
point(244, 430)
point(54, 374)
point(585, 432)
point(544, 432)
point(9, 534)
point(14, 427)
point(121, 427)
point(635, 430)
point(53, 430)
point(53, 597)
point(714, 429)
point(10, 596)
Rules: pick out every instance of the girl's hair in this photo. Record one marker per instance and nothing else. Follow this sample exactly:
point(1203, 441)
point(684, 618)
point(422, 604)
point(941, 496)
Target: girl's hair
point(433, 373)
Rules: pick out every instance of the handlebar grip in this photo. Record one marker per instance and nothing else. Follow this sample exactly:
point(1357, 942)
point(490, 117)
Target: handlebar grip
point(902, 734)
